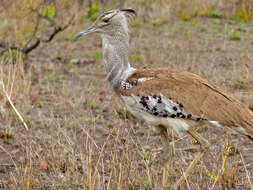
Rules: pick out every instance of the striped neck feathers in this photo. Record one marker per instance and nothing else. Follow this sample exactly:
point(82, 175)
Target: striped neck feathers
point(115, 54)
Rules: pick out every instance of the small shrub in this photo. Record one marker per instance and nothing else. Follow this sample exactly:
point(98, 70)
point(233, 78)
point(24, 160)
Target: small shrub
point(50, 11)
point(93, 12)
point(236, 35)
point(211, 13)
point(244, 14)
point(97, 55)
point(136, 58)
point(244, 10)
point(184, 16)
point(215, 14)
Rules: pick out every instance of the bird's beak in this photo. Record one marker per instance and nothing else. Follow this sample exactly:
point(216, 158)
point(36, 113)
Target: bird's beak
point(86, 31)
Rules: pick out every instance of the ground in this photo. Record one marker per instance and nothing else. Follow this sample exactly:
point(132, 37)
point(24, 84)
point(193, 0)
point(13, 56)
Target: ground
point(80, 136)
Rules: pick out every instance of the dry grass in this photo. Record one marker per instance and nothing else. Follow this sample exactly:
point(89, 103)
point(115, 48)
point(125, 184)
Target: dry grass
point(81, 137)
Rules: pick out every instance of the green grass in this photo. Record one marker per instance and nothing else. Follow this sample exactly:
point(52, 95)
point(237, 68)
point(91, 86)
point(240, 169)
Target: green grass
point(136, 58)
point(210, 14)
point(53, 76)
point(97, 55)
point(235, 35)
point(159, 21)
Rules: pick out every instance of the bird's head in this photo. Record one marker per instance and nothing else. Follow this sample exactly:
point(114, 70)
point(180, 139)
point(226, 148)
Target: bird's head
point(110, 23)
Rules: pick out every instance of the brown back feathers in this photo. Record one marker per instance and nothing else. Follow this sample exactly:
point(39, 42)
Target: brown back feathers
point(194, 93)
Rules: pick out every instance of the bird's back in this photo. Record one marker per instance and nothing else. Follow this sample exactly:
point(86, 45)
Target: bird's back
point(195, 95)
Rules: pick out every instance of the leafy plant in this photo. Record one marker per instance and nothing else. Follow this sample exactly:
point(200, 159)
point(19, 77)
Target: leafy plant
point(244, 10)
point(50, 11)
point(184, 16)
point(244, 14)
point(215, 14)
point(145, 155)
point(31, 18)
point(12, 54)
point(209, 13)
point(96, 55)
point(93, 12)
point(235, 35)
point(136, 57)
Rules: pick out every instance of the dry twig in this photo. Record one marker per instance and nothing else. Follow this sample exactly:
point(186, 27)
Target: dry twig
point(11, 103)
point(35, 41)
point(247, 172)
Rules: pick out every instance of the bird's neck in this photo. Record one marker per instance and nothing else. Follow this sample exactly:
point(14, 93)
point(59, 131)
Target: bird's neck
point(115, 54)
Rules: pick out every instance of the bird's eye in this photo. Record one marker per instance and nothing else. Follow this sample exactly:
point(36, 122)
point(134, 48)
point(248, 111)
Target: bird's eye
point(106, 20)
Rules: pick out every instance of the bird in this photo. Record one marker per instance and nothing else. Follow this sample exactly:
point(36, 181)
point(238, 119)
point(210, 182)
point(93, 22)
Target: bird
point(162, 97)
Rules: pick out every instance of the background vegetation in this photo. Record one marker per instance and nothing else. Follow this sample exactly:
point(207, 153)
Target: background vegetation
point(61, 126)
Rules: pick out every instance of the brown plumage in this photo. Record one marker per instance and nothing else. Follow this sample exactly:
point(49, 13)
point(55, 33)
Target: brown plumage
point(195, 94)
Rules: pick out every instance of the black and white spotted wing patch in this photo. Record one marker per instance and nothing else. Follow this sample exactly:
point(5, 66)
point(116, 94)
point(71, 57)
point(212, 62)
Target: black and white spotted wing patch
point(127, 84)
point(159, 105)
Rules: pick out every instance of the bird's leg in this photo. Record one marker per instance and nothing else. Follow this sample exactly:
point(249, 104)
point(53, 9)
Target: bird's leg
point(164, 135)
point(167, 149)
point(204, 145)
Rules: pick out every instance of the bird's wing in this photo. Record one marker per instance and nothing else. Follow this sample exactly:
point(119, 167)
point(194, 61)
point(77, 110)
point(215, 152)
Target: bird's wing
point(188, 92)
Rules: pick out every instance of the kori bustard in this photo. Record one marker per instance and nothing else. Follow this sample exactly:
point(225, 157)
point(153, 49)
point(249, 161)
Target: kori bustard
point(163, 97)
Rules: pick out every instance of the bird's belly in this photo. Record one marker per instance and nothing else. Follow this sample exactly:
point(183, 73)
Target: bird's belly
point(177, 124)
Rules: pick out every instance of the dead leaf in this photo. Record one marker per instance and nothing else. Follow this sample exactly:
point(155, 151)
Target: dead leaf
point(44, 165)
